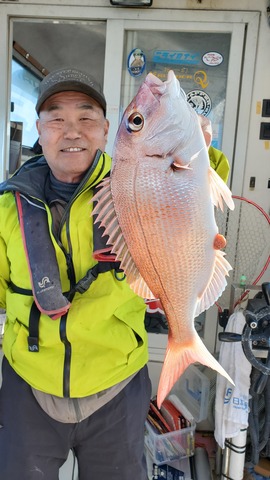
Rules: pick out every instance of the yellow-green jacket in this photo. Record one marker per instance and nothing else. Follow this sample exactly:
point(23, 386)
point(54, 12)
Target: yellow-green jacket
point(102, 339)
point(219, 163)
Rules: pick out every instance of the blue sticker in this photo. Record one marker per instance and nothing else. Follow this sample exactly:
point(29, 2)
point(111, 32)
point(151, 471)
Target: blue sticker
point(176, 57)
point(136, 62)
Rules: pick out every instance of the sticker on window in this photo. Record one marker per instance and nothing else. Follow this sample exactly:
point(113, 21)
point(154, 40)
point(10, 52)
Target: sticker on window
point(136, 62)
point(200, 101)
point(212, 59)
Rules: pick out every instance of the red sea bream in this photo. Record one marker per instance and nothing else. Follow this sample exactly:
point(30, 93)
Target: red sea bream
point(157, 208)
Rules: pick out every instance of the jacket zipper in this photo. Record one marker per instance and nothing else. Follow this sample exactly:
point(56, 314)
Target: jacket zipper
point(71, 275)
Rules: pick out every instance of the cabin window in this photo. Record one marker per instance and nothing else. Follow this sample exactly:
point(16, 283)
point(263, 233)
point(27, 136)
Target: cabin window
point(24, 93)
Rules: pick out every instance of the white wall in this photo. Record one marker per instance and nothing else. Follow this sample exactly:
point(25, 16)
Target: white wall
point(258, 152)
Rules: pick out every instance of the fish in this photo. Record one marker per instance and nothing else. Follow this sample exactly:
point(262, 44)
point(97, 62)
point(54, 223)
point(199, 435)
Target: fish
point(157, 211)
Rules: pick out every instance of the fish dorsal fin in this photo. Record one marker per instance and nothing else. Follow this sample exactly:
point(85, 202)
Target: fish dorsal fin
point(141, 288)
point(219, 191)
point(216, 285)
point(105, 215)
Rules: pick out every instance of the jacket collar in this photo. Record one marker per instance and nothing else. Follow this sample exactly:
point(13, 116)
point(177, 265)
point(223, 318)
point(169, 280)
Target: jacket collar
point(31, 178)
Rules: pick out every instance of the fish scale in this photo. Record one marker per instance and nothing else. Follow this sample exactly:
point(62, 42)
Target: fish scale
point(162, 192)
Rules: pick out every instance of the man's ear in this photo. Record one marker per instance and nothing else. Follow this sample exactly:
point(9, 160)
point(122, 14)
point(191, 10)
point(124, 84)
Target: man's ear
point(37, 125)
point(106, 128)
point(206, 129)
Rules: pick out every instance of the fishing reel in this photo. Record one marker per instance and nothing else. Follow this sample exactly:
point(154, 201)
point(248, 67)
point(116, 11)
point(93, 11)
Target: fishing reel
point(255, 338)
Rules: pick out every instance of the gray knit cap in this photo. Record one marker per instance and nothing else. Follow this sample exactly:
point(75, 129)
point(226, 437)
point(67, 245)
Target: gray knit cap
point(69, 79)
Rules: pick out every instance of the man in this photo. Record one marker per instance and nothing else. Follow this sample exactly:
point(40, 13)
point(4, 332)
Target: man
point(75, 346)
point(218, 160)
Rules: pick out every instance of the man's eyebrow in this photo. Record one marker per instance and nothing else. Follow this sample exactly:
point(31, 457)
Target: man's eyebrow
point(86, 106)
point(56, 106)
point(52, 107)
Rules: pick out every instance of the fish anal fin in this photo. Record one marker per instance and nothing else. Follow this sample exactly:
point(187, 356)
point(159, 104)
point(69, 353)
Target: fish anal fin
point(216, 285)
point(178, 357)
point(219, 190)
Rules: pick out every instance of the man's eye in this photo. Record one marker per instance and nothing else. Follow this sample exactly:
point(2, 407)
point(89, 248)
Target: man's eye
point(56, 120)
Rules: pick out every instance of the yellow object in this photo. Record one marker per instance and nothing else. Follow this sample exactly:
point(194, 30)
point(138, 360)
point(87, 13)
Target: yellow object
point(219, 163)
point(258, 107)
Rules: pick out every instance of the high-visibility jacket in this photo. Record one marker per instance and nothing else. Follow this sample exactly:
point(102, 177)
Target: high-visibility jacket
point(101, 340)
point(219, 163)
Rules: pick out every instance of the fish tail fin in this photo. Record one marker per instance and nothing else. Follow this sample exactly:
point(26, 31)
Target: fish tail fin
point(178, 357)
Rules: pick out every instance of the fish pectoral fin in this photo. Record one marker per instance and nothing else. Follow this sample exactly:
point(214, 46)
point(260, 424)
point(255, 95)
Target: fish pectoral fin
point(219, 190)
point(216, 285)
point(178, 357)
point(104, 213)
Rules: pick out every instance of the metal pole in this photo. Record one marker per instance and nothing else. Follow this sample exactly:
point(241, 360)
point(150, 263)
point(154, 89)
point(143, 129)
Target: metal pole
point(234, 457)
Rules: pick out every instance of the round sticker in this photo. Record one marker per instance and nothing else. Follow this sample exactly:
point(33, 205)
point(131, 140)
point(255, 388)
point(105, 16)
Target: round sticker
point(212, 59)
point(200, 101)
point(136, 62)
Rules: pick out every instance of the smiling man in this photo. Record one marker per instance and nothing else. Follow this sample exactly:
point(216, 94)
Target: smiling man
point(75, 346)
point(71, 128)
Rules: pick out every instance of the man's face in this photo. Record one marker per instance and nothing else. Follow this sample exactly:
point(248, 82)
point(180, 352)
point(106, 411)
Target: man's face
point(71, 129)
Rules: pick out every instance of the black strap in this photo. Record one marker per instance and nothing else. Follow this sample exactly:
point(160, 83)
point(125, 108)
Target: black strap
point(22, 291)
point(101, 267)
point(33, 337)
point(82, 286)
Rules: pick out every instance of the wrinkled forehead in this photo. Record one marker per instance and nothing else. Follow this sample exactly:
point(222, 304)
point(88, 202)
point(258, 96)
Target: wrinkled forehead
point(70, 99)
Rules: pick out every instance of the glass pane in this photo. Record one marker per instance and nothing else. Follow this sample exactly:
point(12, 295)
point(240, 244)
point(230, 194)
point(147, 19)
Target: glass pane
point(199, 60)
point(50, 44)
point(24, 92)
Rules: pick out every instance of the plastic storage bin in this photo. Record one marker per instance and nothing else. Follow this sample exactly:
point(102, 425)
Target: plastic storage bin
point(192, 389)
point(170, 446)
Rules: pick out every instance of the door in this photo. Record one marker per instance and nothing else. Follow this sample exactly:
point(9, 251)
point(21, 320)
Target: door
point(208, 65)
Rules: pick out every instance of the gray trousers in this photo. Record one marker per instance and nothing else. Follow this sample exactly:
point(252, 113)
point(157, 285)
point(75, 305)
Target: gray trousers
point(108, 445)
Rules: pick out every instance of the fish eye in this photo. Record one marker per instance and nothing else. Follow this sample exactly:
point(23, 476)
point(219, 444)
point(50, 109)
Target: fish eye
point(135, 122)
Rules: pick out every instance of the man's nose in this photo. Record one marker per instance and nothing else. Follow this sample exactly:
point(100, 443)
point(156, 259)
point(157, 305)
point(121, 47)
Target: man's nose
point(72, 130)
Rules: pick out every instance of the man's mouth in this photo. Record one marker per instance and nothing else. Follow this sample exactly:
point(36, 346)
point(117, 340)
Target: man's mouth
point(73, 149)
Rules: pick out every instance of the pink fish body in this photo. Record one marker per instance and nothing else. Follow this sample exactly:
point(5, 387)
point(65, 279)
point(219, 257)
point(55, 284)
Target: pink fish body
point(158, 210)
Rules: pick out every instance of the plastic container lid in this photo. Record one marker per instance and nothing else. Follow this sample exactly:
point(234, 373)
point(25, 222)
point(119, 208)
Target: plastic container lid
point(193, 389)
